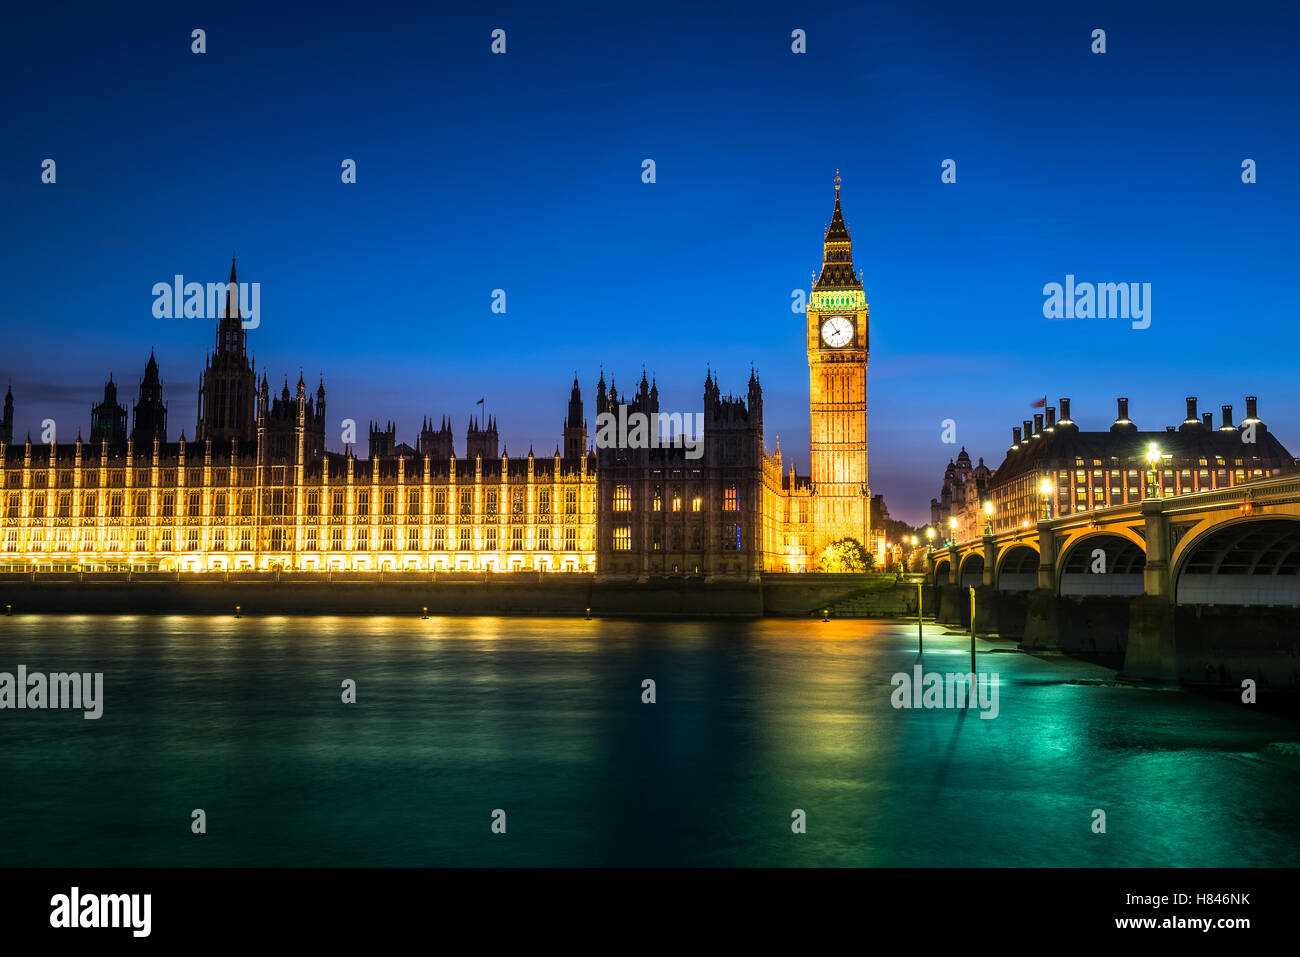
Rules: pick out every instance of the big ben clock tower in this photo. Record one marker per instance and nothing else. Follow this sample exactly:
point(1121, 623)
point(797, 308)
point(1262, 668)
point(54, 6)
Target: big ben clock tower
point(837, 392)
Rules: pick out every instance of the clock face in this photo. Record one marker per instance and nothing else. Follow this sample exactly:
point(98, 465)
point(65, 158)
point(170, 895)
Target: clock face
point(837, 331)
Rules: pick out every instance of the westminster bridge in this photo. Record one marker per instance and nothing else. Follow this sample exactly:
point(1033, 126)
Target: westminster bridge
point(1202, 587)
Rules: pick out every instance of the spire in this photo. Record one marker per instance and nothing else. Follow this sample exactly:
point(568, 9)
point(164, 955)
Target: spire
point(837, 259)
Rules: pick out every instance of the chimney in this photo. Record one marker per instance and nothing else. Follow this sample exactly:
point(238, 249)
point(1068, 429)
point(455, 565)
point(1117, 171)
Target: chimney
point(1015, 436)
point(1029, 429)
point(1038, 423)
point(1191, 409)
point(1250, 409)
point(1122, 422)
point(1051, 417)
point(1227, 419)
point(1207, 419)
point(1065, 410)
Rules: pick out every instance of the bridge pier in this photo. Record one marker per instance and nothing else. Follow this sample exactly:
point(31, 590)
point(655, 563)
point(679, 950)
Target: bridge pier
point(954, 605)
point(1151, 653)
point(1042, 622)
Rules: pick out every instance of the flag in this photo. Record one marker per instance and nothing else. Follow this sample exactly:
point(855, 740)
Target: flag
point(480, 402)
point(1039, 403)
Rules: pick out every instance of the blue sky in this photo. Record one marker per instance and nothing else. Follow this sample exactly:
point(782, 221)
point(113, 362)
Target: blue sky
point(523, 172)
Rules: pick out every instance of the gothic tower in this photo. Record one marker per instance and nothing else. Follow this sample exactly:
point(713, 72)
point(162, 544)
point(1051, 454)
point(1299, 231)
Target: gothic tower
point(7, 423)
point(150, 411)
point(575, 426)
point(228, 385)
point(108, 419)
point(837, 391)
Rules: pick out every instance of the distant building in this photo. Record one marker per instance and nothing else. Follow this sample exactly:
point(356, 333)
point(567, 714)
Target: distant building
point(965, 487)
point(1092, 470)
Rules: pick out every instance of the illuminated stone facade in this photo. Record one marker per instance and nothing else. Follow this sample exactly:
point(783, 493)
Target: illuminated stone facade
point(258, 490)
point(838, 349)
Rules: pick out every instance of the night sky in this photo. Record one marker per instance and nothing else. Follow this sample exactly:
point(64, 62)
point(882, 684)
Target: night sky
point(522, 172)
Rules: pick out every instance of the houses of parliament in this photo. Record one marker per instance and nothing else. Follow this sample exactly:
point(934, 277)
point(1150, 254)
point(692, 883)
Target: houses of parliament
point(256, 489)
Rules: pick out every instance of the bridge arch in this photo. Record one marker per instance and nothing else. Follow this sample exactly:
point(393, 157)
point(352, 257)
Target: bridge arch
point(1017, 568)
point(1250, 560)
point(942, 570)
point(971, 570)
point(1119, 551)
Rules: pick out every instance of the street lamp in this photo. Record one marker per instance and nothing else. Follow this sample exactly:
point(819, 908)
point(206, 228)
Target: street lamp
point(1153, 459)
point(1046, 489)
point(952, 528)
point(988, 516)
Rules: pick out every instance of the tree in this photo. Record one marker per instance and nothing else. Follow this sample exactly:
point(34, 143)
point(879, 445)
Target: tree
point(846, 555)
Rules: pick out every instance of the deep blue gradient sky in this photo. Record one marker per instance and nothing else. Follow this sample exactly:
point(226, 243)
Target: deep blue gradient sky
point(523, 172)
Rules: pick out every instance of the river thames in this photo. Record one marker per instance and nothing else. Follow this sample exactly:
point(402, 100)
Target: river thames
point(543, 719)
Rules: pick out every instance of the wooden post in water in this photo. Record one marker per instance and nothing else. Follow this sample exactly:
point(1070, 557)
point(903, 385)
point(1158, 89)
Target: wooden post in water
point(972, 629)
point(920, 634)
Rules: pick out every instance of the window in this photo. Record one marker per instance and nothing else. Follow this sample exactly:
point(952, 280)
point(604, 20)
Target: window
point(517, 502)
point(544, 539)
point(245, 540)
point(141, 505)
point(517, 538)
point(192, 540)
point(412, 539)
point(677, 500)
point(337, 503)
point(413, 502)
point(88, 505)
point(466, 501)
point(440, 502)
point(491, 544)
point(115, 505)
point(622, 498)
point(570, 539)
point(246, 504)
point(219, 540)
point(310, 543)
point(464, 539)
point(622, 538)
point(193, 508)
point(697, 503)
point(388, 539)
point(363, 502)
point(490, 505)
point(544, 502)
point(65, 505)
point(277, 539)
point(388, 501)
point(313, 504)
point(570, 501)
point(165, 540)
point(363, 540)
point(730, 499)
point(439, 539)
point(658, 503)
point(336, 539)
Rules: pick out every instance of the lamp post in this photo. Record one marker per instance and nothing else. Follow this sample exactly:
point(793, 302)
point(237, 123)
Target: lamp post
point(988, 516)
point(1153, 459)
point(1046, 489)
point(952, 528)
